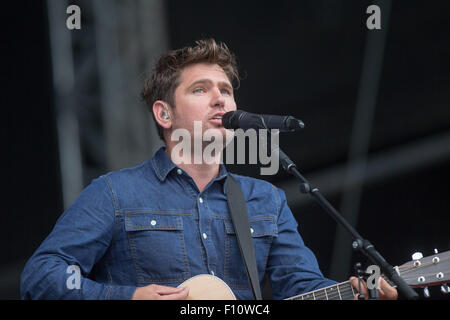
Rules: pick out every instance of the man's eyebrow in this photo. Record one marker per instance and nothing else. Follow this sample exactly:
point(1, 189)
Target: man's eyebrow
point(208, 81)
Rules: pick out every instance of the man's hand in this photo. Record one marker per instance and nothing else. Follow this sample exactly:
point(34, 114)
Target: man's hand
point(157, 292)
point(385, 292)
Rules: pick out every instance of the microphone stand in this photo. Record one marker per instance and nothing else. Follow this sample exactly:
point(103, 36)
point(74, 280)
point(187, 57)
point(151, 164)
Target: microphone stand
point(359, 243)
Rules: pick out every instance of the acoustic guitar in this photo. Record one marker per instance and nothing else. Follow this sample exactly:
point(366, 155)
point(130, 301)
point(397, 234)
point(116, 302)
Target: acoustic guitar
point(429, 271)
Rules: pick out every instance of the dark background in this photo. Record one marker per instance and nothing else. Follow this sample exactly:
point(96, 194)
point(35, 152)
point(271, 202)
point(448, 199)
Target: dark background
point(302, 58)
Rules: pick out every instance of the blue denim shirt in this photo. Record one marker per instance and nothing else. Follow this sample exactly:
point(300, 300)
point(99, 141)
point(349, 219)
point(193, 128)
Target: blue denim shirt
point(150, 224)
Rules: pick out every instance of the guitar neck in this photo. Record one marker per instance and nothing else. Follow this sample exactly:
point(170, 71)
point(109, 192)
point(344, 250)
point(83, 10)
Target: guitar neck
point(340, 291)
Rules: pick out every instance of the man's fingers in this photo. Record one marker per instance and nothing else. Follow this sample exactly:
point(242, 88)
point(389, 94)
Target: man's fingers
point(354, 283)
point(157, 292)
point(179, 295)
point(386, 291)
point(164, 290)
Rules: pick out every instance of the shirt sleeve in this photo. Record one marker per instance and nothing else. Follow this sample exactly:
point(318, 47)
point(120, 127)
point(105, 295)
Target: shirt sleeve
point(59, 268)
point(292, 267)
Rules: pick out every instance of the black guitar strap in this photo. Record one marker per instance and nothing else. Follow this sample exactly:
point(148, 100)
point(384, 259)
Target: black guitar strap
point(239, 216)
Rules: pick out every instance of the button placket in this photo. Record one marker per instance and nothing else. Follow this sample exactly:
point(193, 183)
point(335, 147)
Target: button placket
point(204, 235)
point(204, 228)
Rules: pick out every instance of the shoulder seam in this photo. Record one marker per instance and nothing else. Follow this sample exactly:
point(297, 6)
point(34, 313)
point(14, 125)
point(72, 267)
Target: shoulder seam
point(112, 193)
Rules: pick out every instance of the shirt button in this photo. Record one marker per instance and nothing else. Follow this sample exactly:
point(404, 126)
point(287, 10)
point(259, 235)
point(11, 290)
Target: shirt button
point(205, 236)
point(200, 199)
point(251, 230)
point(153, 222)
point(179, 171)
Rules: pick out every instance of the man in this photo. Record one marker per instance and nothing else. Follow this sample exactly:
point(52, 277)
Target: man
point(140, 232)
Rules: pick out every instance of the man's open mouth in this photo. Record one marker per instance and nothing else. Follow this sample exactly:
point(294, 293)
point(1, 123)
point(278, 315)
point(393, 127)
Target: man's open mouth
point(218, 116)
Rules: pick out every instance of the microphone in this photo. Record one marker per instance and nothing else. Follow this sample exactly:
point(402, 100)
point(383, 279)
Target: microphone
point(245, 120)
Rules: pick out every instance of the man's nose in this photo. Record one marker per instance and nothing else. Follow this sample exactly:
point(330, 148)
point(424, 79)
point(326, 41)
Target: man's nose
point(218, 99)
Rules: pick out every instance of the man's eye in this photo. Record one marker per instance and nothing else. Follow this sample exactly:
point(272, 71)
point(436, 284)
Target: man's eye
point(198, 90)
point(226, 91)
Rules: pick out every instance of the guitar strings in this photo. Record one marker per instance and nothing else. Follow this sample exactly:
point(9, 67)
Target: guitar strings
point(412, 267)
point(404, 271)
point(429, 274)
point(343, 291)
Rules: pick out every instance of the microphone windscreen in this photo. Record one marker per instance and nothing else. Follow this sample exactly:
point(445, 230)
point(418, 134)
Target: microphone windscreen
point(228, 120)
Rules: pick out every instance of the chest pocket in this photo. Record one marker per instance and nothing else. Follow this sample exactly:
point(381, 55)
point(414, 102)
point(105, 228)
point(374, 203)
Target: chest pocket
point(262, 230)
point(157, 246)
point(259, 227)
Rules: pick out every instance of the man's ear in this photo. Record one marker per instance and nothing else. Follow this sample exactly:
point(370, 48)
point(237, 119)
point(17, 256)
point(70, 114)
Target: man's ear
point(162, 114)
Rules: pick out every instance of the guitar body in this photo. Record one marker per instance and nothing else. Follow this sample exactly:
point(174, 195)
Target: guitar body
point(207, 287)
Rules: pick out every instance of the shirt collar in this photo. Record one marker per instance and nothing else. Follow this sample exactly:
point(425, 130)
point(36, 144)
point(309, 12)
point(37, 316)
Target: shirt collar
point(164, 165)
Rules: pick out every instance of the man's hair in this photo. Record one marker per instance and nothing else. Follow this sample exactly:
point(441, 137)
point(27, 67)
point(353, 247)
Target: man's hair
point(165, 78)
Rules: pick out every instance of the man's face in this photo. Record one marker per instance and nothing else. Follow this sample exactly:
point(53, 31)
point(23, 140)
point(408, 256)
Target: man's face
point(204, 94)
